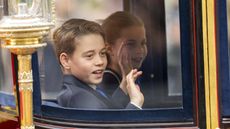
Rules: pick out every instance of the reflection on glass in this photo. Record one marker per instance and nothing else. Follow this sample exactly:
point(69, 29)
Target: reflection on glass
point(228, 17)
point(225, 81)
point(161, 79)
point(65, 9)
point(6, 77)
point(162, 76)
point(1, 9)
point(173, 47)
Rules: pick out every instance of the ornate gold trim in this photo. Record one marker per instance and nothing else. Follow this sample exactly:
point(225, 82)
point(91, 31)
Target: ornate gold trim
point(26, 87)
point(210, 64)
point(24, 46)
point(23, 35)
point(25, 76)
point(28, 127)
point(8, 116)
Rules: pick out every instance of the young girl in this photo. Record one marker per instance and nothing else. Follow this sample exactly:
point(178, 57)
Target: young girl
point(80, 47)
point(126, 38)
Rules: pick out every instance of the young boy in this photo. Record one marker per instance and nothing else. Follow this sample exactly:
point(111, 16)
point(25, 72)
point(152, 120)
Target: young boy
point(80, 48)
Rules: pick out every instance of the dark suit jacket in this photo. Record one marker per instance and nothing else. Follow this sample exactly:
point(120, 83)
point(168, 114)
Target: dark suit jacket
point(110, 84)
point(77, 94)
point(111, 81)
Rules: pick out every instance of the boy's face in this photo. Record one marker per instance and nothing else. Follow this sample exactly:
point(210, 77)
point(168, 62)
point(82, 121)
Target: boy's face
point(89, 60)
point(134, 45)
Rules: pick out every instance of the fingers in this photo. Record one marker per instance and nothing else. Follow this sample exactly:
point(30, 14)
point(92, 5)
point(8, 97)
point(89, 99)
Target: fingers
point(136, 74)
point(133, 75)
point(133, 89)
point(124, 59)
point(121, 46)
point(130, 78)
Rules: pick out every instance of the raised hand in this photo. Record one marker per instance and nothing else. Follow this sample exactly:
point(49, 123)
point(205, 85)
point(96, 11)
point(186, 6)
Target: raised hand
point(133, 90)
point(124, 59)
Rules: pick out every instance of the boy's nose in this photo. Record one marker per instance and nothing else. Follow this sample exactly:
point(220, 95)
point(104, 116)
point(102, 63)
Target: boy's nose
point(99, 61)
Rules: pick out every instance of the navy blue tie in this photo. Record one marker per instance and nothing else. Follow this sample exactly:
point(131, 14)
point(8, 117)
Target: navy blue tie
point(101, 92)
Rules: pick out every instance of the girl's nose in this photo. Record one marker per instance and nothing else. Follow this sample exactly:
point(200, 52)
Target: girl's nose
point(140, 49)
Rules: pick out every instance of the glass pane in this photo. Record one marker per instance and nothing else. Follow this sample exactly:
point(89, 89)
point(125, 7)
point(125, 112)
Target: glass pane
point(228, 18)
point(160, 93)
point(173, 48)
point(161, 81)
point(162, 71)
point(95, 10)
point(6, 77)
point(224, 38)
point(1, 9)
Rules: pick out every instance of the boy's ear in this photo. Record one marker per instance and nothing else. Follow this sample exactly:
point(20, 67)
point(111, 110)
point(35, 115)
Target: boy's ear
point(64, 59)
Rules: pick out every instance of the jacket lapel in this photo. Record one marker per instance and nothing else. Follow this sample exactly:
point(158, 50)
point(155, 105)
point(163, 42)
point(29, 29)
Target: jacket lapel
point(78, 83)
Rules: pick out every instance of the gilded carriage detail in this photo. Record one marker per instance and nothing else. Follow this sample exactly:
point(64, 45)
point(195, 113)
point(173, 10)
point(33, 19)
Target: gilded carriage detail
point(22, 33)
point(185, 73)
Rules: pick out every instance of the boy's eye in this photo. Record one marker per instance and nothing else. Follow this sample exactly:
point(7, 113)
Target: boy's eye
point(103, 53)
point(89, 55)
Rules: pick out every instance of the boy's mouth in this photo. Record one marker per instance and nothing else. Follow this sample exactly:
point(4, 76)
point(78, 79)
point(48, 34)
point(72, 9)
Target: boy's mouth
point(98, 71)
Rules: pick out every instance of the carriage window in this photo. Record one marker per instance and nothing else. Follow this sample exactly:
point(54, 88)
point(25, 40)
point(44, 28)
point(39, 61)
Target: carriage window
point(6, 81)
point(51, 85)
point(228, 20)
point(173, 48)
point(162, 71)
point(6, 74)
point(161, 82)
point(160, 45)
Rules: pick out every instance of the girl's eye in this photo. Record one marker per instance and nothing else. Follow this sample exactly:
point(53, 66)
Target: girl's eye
point(130, 43)
point(143, 43)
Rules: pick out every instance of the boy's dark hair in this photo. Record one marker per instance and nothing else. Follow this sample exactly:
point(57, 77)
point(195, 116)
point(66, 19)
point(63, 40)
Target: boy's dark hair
point(118, 21)
point(64, 36)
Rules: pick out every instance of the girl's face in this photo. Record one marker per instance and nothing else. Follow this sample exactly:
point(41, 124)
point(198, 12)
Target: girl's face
point(89, 60)
point(133, 40)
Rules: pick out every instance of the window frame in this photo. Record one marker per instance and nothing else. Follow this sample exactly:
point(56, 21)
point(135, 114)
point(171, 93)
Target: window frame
point(185, 116)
